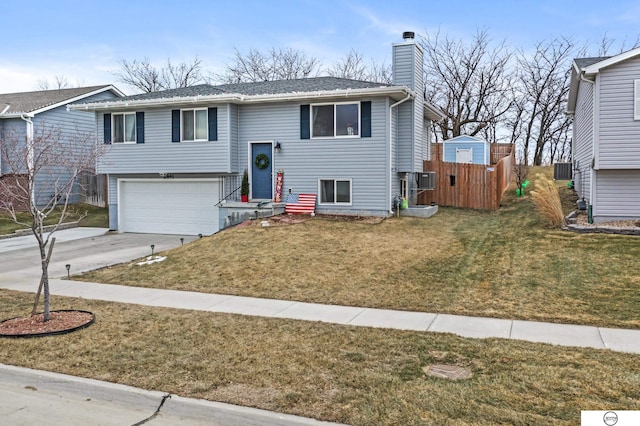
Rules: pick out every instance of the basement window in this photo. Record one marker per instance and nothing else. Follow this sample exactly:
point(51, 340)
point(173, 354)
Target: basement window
point(335, 191)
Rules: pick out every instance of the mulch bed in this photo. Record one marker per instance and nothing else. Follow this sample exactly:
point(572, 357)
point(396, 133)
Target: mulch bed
point(62, 321)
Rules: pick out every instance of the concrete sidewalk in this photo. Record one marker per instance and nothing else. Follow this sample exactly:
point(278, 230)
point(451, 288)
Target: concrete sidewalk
point(475, 327)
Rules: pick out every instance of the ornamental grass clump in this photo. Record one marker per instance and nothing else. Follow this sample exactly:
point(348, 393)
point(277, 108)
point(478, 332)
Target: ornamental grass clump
point(547, 200)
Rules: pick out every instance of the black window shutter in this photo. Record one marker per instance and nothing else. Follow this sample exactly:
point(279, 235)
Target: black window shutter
point(305, 122)
point(139, 127)
point(107, 128)
point(213, 124)
point(175, 125)
point(365, 119)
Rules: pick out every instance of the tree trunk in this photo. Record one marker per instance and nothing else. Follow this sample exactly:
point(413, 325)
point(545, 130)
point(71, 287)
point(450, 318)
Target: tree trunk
point(45, 283)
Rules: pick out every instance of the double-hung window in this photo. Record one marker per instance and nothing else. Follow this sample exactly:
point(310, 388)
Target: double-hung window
point(124, 127)
point(335, 120)
point(636, 99)
point(335, 191)
point(194, 124)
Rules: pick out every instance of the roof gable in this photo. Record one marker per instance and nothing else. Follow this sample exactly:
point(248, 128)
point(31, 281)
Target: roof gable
point(13, 104)
point(465, 138)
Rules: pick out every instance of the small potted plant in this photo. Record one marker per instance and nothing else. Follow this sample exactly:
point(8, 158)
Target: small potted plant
point(244, 188)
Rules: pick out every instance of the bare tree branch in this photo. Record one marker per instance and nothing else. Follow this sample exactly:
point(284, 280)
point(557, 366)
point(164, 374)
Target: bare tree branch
point(275, 64)
point(43, 172)
point(469, 81)
point(352, 66)
point(146, 77)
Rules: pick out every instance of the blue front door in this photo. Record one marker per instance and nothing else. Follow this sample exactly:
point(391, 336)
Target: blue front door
point(261, 171)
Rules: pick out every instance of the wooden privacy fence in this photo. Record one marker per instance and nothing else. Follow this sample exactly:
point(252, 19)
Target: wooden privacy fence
point(93, 189)
point(473, 186)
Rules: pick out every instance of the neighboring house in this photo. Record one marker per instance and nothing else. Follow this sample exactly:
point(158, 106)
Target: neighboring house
point(604, 99)
point(24, 114)
point(176, 154)
point(466, 149)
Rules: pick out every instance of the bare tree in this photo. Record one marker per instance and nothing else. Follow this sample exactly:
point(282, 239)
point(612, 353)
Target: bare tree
point(606, 45)
point(274, 64)
point(59, 82)
point(146, 77)
point(520, 171)
point(353, 66)
point(469, 81)
point(42, 172)
point(538, 121)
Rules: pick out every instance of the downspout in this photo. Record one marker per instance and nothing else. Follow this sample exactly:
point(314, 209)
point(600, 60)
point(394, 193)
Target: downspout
point(30, 155)
point(593, 151)
point(391, 149)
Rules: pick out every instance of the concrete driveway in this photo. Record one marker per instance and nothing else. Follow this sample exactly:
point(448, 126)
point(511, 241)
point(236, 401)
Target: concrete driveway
point(84, 249)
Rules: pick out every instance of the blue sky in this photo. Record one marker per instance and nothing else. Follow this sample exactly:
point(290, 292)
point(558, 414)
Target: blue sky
point(83, 40)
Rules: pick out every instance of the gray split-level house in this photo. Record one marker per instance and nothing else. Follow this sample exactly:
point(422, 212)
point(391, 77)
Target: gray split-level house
point(25, 114)
point(604, 99)
point(177, 156)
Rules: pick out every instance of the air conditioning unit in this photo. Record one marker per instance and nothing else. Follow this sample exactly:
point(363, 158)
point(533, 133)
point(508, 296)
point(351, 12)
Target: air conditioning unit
point(562, 171)
point(427, 180)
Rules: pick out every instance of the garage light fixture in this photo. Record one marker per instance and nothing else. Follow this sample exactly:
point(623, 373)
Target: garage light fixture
point(277, 148)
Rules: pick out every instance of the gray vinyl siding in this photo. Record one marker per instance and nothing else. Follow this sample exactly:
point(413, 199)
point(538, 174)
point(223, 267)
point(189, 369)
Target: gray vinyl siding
point(305, 161)
point(75, 127)
point(233, 125)
point(618, 195)
point(12, 128)
point(158, 154)
point(418, 111)
point(408, 71)
point(583, 140)
point(618, 133)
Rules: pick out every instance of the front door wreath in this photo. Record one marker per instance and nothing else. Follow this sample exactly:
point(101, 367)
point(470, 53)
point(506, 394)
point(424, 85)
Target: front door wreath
point(261, 161)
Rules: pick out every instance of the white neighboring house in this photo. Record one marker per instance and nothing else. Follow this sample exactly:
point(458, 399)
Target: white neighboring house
point(604, 100)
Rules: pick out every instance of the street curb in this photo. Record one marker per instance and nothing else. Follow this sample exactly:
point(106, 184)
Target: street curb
point(23, 232)
point(188, 408)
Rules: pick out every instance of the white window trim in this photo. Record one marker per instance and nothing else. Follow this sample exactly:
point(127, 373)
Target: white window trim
point(335, 121)
point(335, 180)
point(135, 126)
point(194, 125)
point(636, 99)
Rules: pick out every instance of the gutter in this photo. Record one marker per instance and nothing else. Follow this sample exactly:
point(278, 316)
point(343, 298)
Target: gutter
point(409, 96)
point(239, 98)
point(592, 174)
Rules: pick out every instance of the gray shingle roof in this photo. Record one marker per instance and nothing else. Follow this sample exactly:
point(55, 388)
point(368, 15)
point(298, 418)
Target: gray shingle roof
point(33, 101)
point(585, 62)
point(260, 88)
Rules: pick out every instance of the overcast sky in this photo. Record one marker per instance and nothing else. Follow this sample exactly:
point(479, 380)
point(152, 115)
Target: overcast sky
point(83, 40)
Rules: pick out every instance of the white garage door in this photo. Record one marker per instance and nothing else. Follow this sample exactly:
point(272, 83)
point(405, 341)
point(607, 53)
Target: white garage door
point(185, 207)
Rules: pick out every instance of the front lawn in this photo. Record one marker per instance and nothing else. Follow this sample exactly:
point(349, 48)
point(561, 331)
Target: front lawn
point(94, 217)
point(354, 375)
point(505, 264)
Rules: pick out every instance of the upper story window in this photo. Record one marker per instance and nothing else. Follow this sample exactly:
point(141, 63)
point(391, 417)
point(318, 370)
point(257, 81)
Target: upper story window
point(194, 125)
point(124, 127)
point(335, 120)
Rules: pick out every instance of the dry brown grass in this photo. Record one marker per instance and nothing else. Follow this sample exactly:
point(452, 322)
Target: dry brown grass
point(359, 376)
point(547, 200)
point(505, 264)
